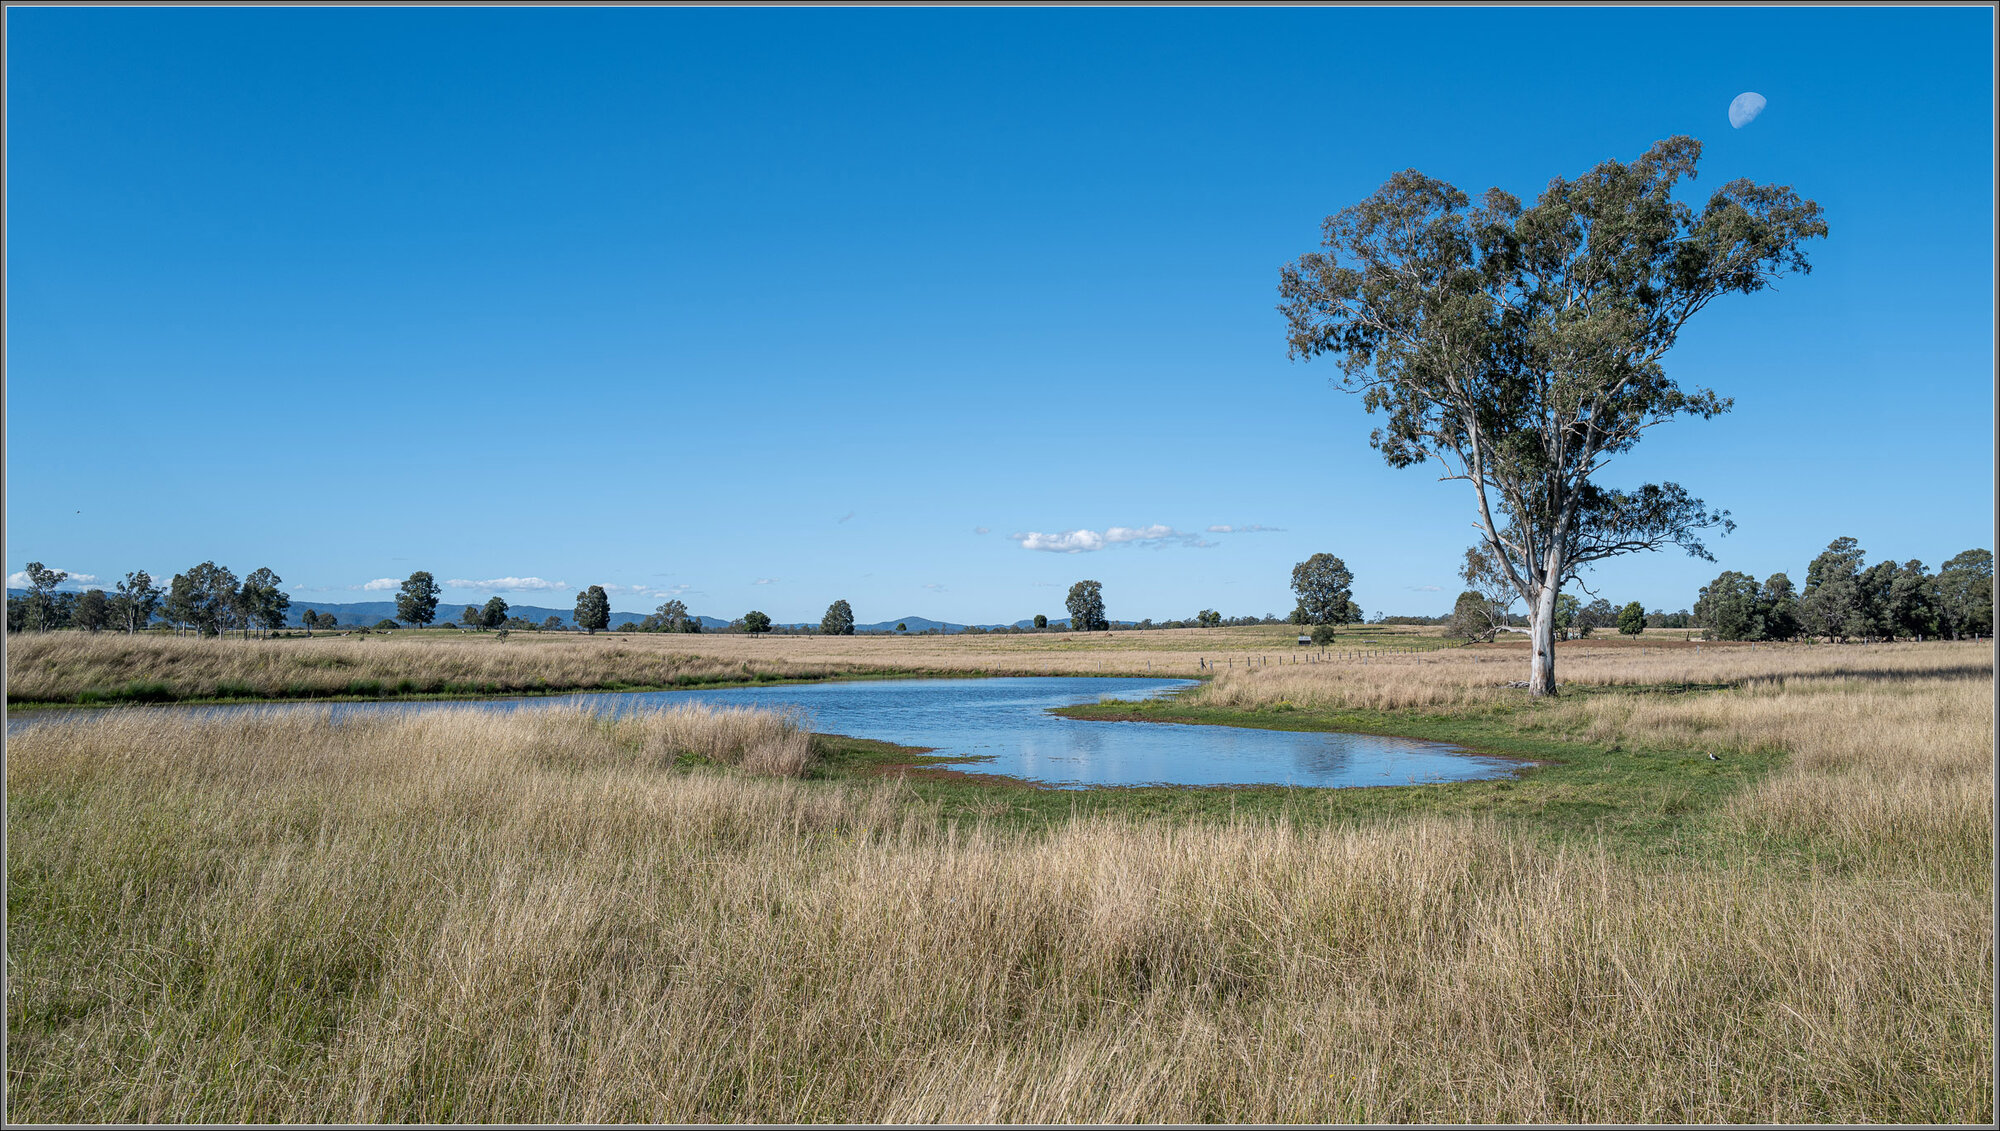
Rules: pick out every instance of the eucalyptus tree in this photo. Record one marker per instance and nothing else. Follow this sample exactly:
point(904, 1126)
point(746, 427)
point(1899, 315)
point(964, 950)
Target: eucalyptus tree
point(417, 600)
point(1965, 594)
point(93, 610)
point(839, 619)
point(494, 614)
point(260, 603)
point(41, 603)
point(137, 598)
point(593, 610)
point(1086, 607)
point(673, 616)
point(1520, 347)
point(1325, 589)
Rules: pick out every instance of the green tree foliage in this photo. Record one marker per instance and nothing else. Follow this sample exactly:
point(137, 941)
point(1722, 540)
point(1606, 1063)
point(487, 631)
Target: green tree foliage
point(1965, 594)
point(1472, 617)
point(839, 619)
point(93, 610)
point(387, 625)
point(593, 610)
point(1910, 606)
point(1521, 347)
point(1208, 618)
point(1563, 616)
point(1833, 604)
point(1325, 589)
point(204, 599)
point(552, 624)
point(136, 601)
point(1041, 621)
point(41, 600)
point(1086, 607)
point(417, 601)
point(260, 603)
point(674, 617)
point(901, 627)
point(494, 614)
point(1778, 603)
point(471, 616)
point(1632, 619)
point(754, 621)
point(1729, 608)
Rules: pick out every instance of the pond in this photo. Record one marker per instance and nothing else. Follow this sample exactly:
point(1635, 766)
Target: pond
point(1005, 725)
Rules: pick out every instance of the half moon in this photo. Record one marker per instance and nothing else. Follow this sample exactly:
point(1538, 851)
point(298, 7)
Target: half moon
point(1744, 108)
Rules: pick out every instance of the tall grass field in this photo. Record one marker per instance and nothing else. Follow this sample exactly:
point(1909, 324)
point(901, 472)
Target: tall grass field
point(698, 915)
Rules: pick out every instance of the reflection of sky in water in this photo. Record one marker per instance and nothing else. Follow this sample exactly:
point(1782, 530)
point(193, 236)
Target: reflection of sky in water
point(1006, 722)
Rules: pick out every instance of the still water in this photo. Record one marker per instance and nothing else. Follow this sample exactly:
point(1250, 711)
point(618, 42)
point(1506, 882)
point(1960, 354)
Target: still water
point(1004, 723)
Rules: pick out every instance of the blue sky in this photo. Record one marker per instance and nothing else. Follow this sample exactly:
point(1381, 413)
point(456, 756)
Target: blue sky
point(769, 307)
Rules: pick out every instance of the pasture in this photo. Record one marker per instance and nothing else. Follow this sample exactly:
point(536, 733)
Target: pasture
point(707, 916)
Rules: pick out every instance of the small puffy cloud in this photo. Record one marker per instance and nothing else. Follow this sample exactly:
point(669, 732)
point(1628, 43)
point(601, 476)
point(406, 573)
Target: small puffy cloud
point(1085, 541)
point(935, 587)
point(982, 530)
point(1253, 528)
point(75, 580)
point(765, 581)
point(500, 584)
point(1424, 588)
point(389, 583)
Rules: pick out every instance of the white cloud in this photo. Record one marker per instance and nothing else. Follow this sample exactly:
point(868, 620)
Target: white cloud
point(1253, 528)
point(385, 583)
point(1084, 541)
point(1424, 588)
point(982, 530)
point(765, 581)
point(502, 584)
point(75, 580)
point(935, 587)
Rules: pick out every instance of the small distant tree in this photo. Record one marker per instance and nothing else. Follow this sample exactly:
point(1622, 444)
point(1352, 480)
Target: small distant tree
point(494, 614)
point(673, 616)
point(1728, 608)
point(93, 610)
point(208, 595)
point(1472, 617)
point(1965, 594)
point(593, 610)
point(1041, 621)
point(1565, 612)
point(1086, 607)
point(755, 622)
point(1324, 634)
point(261, 603)
point(552, 624)
point(901, 627)
point(1778, 602)
point(1632, 619)
point(417, 601)
point(42, 582)
point(137, 599)
point(1911, 608)
point(471, 617)
point(329, 620)
point(1832, 604)
point(1325, 589)
point(839, 619)
point(311, 620)
point(1208, 618)
point(386, 625)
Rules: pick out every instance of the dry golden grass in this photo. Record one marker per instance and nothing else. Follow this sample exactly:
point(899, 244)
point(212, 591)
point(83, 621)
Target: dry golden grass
point(58, 667)
point(471, 916)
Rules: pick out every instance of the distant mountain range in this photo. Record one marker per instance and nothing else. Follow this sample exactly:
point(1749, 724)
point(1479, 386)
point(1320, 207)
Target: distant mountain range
point(372, 612)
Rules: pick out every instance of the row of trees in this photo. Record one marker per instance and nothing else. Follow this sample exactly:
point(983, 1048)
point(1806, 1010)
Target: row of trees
point(208, 600)
point(1846, 599)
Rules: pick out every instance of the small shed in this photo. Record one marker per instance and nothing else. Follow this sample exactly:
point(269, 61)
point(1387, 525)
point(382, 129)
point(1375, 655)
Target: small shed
point(1304, 639)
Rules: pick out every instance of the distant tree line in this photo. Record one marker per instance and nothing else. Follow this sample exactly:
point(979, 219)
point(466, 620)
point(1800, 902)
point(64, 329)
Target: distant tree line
point(1846, 599)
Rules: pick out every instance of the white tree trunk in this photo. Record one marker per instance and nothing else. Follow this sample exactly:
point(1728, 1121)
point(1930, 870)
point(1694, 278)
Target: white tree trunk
point(1542, 638)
